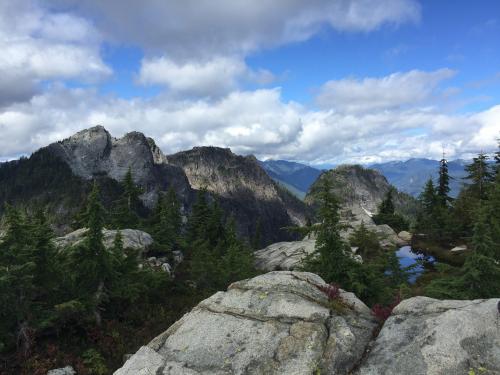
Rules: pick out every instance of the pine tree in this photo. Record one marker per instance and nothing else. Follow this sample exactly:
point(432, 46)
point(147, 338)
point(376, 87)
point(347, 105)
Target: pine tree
point(91, 261)
point(443, 188)
point(366, 241)
point(387, 205)
point(387, 215)
point(124, 215)
point(479, 176)
point(17, 284)
point(167, 221)
point(200, 214)
point(330, 259)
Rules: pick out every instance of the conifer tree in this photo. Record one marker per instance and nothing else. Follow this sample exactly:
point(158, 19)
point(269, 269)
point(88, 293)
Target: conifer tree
point(330, 259)
point(479, 176)
point(91, 261)
point(124, 215)
point(443, 188)
point(167, 220)
point(17, 284)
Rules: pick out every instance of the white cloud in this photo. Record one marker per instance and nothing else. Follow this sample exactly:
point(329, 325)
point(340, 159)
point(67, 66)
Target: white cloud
point(214, 77)
point(393, 91)
point(37, 45)
point(257, 122)
point(203, 28)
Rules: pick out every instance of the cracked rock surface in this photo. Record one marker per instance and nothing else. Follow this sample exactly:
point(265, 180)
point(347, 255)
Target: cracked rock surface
point(276, 323)
point(433, 337)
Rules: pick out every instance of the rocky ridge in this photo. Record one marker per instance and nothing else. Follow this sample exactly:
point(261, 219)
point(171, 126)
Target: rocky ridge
point(243, 187)
point(282, 323)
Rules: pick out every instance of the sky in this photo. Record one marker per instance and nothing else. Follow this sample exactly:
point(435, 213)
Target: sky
point(316, 81)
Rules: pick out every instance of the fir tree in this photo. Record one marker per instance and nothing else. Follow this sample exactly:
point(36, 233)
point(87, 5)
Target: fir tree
point(387, 215)
point(91, 261)
point(167, 220)
point(443, 188)
point(125, 209)
point(330, 259)
point(479, 176)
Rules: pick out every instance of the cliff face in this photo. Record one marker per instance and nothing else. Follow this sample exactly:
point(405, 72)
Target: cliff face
point(94, 152)
point(282, 323)
point(244, 190)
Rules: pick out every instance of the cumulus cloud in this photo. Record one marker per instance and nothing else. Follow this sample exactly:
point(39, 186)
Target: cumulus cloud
point(393, 91)
point(203, 28)
point(256, 122)
point(38, 45)
point(213, 77)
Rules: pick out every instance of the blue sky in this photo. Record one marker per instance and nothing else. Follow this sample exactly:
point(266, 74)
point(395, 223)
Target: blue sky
point(322, 81)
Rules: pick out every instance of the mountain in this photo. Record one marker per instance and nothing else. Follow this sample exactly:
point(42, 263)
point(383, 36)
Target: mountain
point(295, 176)
point(410, 176)
point(360, 190)
point(60, 175)
point(243, 188)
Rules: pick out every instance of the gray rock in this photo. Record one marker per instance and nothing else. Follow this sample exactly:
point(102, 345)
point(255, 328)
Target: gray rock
point(132, 238)
point(405, 236)
point(276, 323)
point(178, 257)
point(93, 152)
point(459, 249)
point(283, 255)
point(68, 370)
point(425, 336)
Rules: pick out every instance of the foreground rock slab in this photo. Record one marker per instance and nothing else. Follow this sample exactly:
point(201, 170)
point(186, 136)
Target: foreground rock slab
point(425, 336)
point(276, 323)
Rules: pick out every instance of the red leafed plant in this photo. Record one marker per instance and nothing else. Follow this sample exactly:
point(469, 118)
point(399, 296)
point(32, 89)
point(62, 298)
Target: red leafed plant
point(382, 313)
point(332, 291)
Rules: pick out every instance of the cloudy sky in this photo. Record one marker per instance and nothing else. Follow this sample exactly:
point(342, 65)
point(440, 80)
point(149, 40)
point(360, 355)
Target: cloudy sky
point(319, 81)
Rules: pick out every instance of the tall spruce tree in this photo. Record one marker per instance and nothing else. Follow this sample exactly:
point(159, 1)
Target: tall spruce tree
point(17, 285)
point(125, 210)
point(91, 261)
point(330, 259)
point(479, 176)
point(167, 220)
point(443, 188)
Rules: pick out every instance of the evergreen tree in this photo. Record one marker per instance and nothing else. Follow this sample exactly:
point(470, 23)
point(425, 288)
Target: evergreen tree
point(330, 259)
point(366, 241)
point(443, 188)
point(17, 284)
point(91, 262)
point(479, 176)
point(200, 214)
point(387, 215)
point(124, 214)
point(167, 220)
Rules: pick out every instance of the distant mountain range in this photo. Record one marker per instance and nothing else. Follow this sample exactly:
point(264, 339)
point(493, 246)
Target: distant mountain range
point(411, 175)
point(296, 177)
point(407, 176)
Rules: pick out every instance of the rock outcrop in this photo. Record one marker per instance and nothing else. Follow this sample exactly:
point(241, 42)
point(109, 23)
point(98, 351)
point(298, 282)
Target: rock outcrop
point(425, 336)
point(277, 323)
point(94, 152)
point(282, 323)
point(132, 238)
point(360, 191)
point(284, 255)
point(244, 189)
